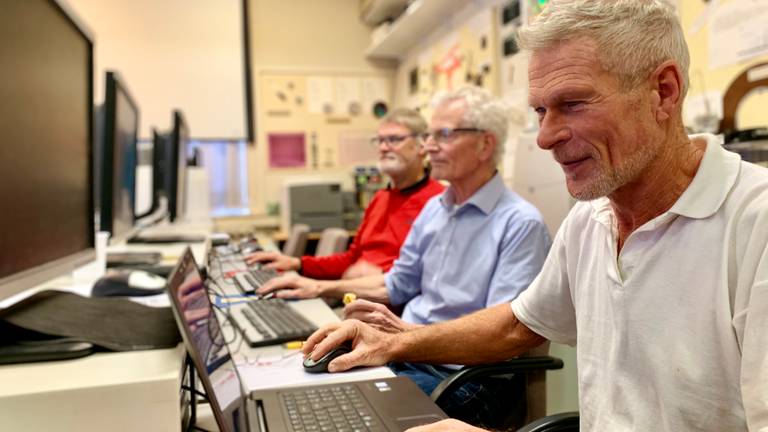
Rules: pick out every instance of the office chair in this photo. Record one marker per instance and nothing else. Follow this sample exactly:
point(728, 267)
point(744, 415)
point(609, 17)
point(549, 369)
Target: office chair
point(332, 240)
point(562, 422)
point(297, 240)
point(527, 371)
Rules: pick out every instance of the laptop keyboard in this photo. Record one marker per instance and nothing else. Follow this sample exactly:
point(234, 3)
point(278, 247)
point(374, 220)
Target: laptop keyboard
point(270, 322)
point(330, 409)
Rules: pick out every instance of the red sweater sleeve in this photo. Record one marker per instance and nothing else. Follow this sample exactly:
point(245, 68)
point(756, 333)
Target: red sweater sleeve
point(385, 225)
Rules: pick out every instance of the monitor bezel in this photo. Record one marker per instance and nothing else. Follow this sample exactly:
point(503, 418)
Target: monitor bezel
point(18, 282)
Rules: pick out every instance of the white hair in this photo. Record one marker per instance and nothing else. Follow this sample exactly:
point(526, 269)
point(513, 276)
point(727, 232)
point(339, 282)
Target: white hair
point(633, 36)
point(483, 111)
point(408, 118)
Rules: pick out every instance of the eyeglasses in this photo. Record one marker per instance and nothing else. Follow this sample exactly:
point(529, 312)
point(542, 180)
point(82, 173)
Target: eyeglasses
point(390, 140)
point(446, 135)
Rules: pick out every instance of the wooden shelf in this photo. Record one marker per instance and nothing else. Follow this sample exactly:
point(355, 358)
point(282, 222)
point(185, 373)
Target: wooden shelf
point(417, 22)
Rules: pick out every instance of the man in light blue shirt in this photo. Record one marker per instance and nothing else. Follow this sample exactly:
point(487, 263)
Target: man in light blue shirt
point(460, 258)
point(476, 245)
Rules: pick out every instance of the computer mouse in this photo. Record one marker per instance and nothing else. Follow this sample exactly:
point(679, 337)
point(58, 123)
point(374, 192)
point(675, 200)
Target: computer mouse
point(249, 247)
point(130, 283)
point(321, 365)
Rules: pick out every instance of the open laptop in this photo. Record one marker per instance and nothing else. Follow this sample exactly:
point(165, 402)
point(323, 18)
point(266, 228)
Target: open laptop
point(390, 404)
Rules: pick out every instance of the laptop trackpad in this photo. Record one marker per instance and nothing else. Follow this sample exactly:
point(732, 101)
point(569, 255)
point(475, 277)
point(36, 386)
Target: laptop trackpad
point(404, 423)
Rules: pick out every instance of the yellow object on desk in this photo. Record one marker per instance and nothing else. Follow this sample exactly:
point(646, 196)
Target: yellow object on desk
point(349, 298)
point(293, 344)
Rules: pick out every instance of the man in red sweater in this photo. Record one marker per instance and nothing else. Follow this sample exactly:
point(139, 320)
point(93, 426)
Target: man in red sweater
point(390, 213)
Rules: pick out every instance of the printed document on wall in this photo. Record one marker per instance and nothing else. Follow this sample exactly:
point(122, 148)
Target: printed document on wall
point(738, 32)
point(320, 95)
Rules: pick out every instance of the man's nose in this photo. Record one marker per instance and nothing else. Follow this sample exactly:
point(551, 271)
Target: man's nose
point(552, 131)
point(383, 146)
point(430, 144)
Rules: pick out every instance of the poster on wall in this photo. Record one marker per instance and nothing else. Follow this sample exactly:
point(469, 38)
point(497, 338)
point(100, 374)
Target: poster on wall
point(287, 150)
point(464, 55)
point(738, 32)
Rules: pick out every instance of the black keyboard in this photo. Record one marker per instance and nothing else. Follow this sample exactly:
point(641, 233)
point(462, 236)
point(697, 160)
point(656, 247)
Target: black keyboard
point(249, 281)
point(336, 408)
point(271, 321)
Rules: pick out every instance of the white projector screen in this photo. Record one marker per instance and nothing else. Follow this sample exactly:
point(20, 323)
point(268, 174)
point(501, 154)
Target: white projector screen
point(186, 54)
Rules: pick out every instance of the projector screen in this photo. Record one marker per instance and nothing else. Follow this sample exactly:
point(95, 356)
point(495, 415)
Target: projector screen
point(185, 54)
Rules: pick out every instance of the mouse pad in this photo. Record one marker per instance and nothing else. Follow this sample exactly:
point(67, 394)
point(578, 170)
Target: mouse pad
point(112, 323)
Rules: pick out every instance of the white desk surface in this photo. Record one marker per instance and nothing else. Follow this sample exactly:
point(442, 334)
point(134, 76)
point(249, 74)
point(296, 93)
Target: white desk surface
point(129, 391)
point(289, 372)
point(94, 393)
point(137, 390)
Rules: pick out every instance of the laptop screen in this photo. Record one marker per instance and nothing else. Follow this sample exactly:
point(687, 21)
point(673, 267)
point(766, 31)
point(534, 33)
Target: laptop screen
point(205, 342)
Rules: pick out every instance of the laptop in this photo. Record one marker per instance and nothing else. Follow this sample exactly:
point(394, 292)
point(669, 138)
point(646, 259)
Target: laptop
point(389, 404)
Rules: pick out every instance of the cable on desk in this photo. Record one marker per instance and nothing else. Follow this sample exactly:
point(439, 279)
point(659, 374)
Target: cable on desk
point(209, 284)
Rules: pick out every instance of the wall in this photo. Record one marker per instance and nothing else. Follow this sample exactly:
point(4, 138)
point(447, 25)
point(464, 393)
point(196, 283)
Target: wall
point(183, 54)
point(302, 35)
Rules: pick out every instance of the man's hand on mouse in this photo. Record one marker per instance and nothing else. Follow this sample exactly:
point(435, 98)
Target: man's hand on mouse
point(376, 315)
point(291, 286)
point(370, 347)
point(274, 260)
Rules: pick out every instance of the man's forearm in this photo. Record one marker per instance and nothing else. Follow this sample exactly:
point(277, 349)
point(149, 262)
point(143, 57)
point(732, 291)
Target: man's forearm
point(487, 336)
point(369, 287)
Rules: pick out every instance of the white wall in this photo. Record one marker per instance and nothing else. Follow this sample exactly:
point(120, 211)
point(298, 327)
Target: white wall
point(184, 54)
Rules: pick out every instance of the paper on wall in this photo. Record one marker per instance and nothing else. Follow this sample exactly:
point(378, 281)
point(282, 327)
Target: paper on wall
point(738, 32)
point(372, 90)
point(347, 92)
point(319, 94)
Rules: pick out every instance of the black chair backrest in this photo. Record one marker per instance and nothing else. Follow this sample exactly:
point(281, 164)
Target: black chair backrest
point(563, 422)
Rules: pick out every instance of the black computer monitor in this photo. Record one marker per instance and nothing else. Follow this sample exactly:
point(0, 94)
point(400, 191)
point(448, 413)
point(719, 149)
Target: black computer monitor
point(118, 159)
point(159, 169)
point(46, 118)
point(177, 169)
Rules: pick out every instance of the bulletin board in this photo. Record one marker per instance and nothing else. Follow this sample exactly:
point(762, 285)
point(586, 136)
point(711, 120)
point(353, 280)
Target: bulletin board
point(336, 113)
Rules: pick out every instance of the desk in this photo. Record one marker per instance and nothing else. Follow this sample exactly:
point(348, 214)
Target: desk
point(132, 391)
point(129, 391)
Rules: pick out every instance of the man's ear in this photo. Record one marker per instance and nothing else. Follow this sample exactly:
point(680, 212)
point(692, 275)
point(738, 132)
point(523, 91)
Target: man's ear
point(667, 87)
point(488, 146)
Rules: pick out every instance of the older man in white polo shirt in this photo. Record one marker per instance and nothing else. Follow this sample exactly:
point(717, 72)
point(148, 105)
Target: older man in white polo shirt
point(660, 277)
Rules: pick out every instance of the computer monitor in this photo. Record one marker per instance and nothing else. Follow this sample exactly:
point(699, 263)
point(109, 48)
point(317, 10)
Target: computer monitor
point(177, 189)
point(118, 159)
point(46, 180)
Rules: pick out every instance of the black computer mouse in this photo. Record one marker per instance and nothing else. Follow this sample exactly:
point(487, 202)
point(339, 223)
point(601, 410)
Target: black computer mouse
point(250, 247)
point(321, 365)
point(133, 283)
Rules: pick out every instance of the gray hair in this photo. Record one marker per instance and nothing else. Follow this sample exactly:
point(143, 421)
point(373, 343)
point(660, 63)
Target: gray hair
point(483, 111)
point(408, 118)
point(633, 36)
